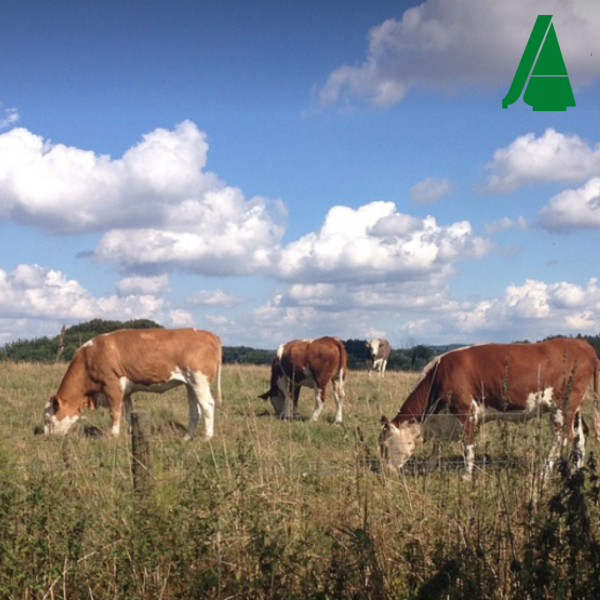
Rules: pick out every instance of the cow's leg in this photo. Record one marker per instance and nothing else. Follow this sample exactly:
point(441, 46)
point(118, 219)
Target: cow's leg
point(469, 427)
point(296, 399)
point(128, 405)
point(578, 440)
point(200, 400)
point(319, 401)
point(114, 397)
point(339, 396)
point(289, 399)
point(558, 426)
point(575, 431)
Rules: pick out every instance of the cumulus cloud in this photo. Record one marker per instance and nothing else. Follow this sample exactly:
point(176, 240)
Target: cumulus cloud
point(374, 243)
point(181, 318)
point(564, 306)
point(157, 205)
point(553, 156)
point(39, 293)
point(227, 235)
point(422, 312)
point(143, 285)
point(446, 44)
point(573, 209)
point(217, 297)
point(532, 310)
point(429, 190)
point(386, 296)
point(277, 321)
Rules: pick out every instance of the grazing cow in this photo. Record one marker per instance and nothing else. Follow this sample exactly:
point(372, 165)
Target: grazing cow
point(309, 363)
point(469, 386)
point(113, 366)
point(378, 355)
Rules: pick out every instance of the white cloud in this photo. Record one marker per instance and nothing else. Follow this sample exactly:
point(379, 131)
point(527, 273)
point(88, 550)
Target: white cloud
point(11, 116)
point(532, 310)
point(447, 44)
point(157, 205)
point(552, 157)
point(218, 298)
point(35, 292)
point(573, 209)
point(143, 285)
point(506, 223)
point(180, 318)
point(220, 234)
point(374, 243)
point(38, 301)
point(421, 313)
point(387, 296)
point(429, 190)
point(277, 321)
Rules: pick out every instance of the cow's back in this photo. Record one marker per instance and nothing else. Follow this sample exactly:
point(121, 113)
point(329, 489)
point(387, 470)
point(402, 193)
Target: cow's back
point(297, 358)
point(148, 355)
point(511, 372)
point(330, 351)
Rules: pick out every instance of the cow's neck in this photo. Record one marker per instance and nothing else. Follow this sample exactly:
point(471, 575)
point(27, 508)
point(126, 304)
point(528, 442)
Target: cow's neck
point(75, 381)
point(418, 404)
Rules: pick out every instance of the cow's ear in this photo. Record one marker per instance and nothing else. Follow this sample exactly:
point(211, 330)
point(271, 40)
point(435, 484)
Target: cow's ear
point(266, 395)
point(384, 420)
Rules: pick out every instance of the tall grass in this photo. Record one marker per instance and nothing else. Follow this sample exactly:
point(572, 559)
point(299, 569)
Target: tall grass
point(271, 509)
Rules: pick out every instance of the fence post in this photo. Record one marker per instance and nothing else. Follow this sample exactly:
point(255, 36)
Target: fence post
point(140, 450)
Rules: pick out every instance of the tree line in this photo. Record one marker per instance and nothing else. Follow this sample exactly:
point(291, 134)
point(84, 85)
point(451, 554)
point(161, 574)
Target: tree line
point(62, 347)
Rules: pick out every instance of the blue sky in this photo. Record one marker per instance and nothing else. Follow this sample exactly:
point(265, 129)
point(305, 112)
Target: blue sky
point(271, 171)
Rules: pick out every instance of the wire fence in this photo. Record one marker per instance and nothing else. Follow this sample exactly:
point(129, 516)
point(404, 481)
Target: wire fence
point(166, 461)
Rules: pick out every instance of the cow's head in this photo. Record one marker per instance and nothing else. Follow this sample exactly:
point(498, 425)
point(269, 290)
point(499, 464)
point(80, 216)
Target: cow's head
point(373, 348)
point(277, 399)
point(59, 416)
point(397, 444)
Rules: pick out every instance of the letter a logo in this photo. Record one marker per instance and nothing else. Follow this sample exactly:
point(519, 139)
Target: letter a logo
point(549, 87)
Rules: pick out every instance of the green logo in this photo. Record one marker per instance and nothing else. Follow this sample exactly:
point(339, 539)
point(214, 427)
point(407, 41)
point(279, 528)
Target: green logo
point(549, 87)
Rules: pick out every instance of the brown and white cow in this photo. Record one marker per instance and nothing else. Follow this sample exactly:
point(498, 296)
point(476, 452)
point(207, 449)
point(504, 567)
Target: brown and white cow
point(308, 363)
point(378, 355)
point(469, 386)
point(113, 366)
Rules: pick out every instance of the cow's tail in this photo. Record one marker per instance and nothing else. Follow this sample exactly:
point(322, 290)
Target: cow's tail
point(219, 398)
point(596, 402)
point(343, 358)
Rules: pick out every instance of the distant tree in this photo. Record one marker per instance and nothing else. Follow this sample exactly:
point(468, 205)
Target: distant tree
point(38, 350)
point(420, 355)
point(401, 359)
point(594, 340)
point(357, 353)
point(247, 356)
point(47, 349)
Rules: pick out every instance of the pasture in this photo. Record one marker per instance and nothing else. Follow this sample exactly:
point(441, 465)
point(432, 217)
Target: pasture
point(271, 509)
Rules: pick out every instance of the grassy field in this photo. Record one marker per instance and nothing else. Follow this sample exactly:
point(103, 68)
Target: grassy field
point(270, 509)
